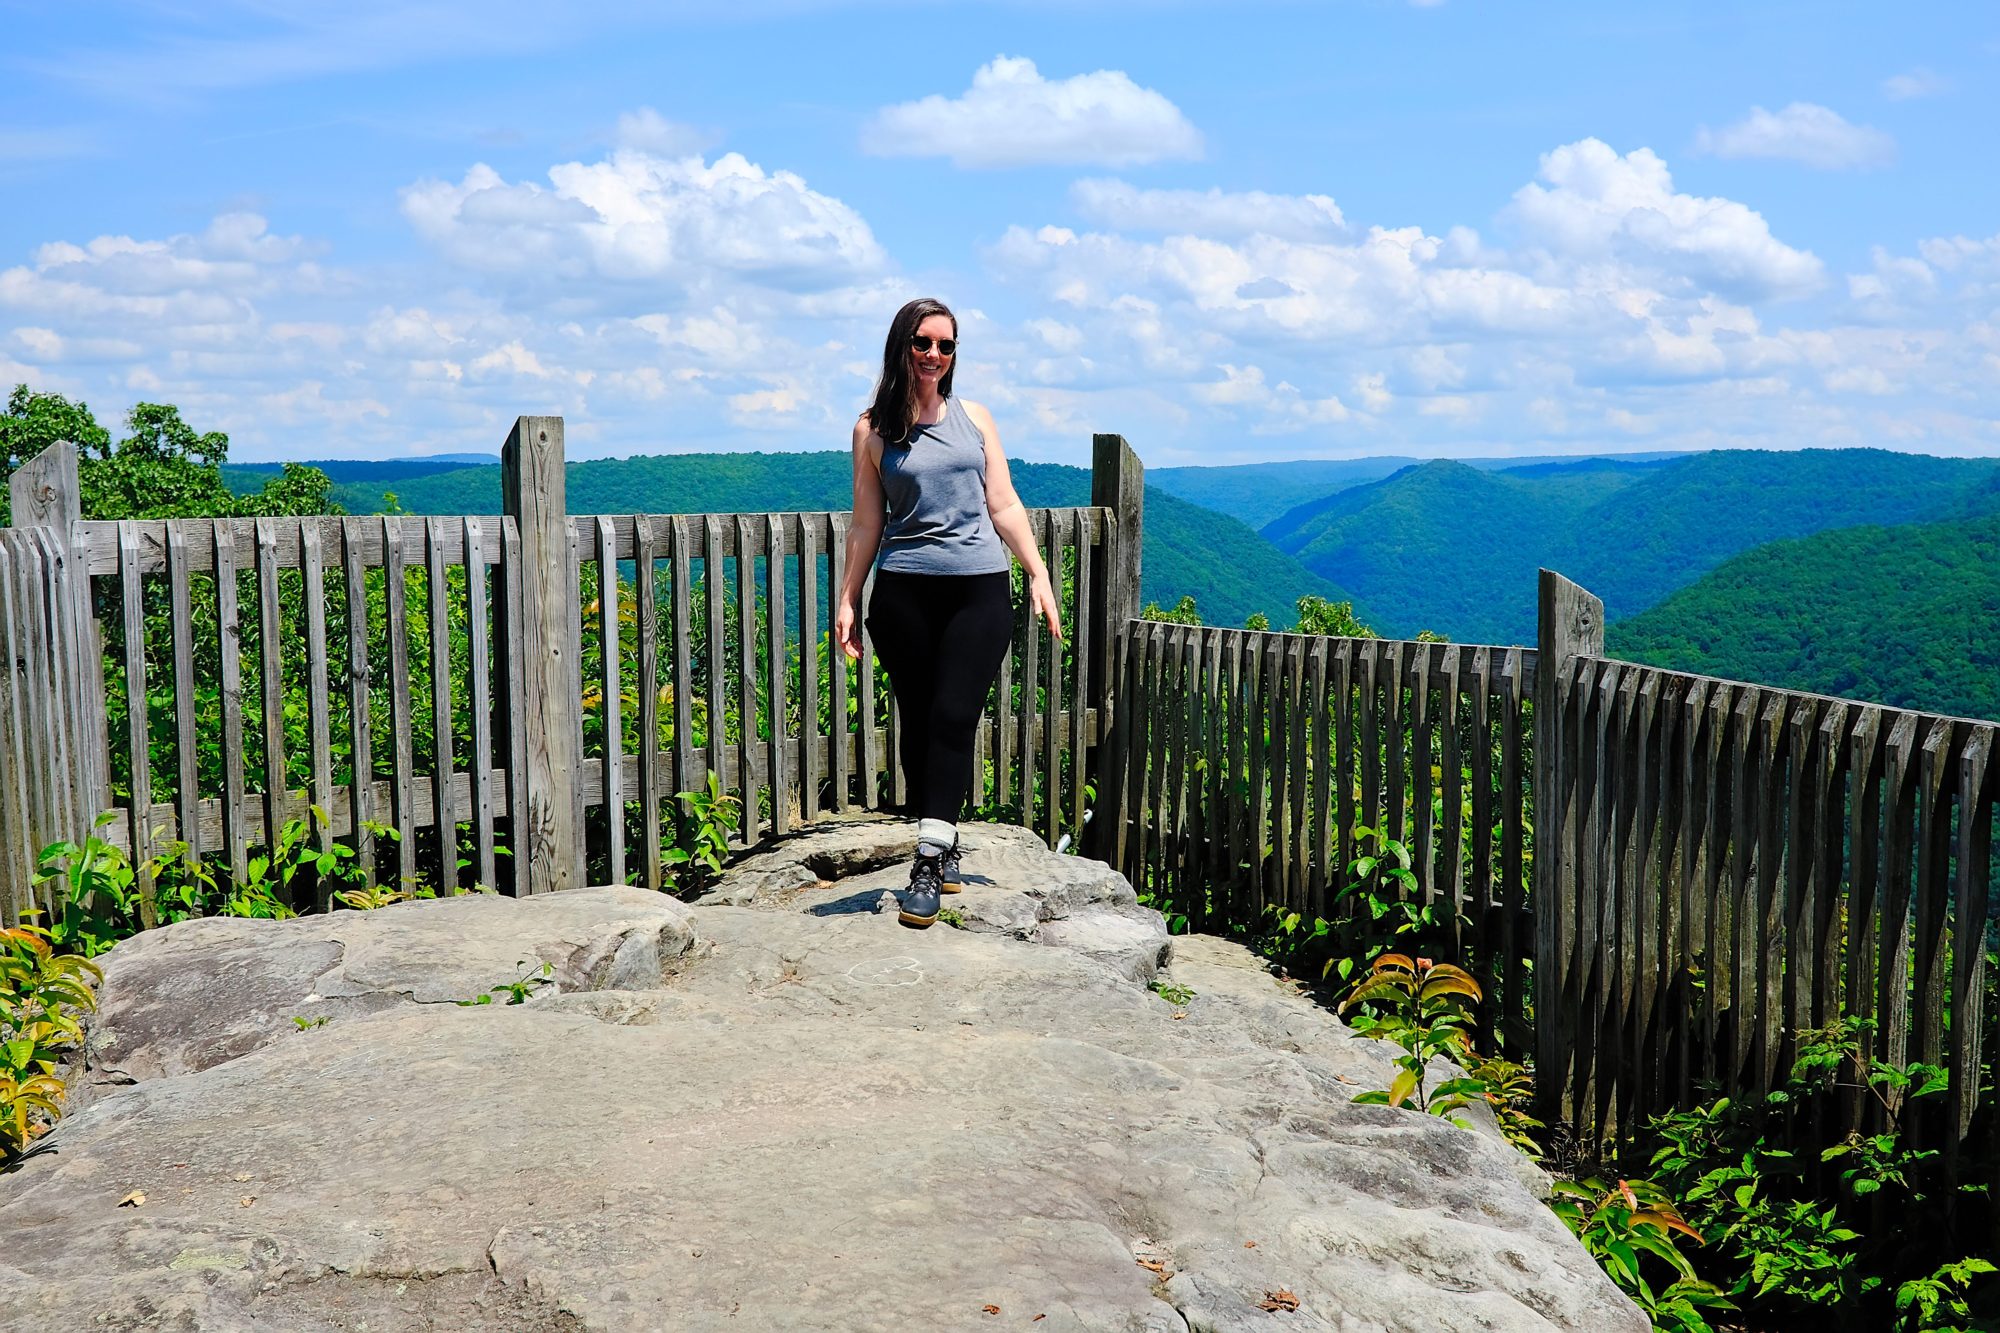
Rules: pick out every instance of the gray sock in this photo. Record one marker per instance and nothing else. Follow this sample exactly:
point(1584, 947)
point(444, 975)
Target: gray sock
point(935, 836)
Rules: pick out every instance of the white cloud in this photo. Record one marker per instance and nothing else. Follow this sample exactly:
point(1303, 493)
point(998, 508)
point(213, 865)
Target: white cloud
point(1113, 203)
point(1011, 116)
point(1594, 204)
point(635, 223)
point(1802, 132)
point(1918, 82)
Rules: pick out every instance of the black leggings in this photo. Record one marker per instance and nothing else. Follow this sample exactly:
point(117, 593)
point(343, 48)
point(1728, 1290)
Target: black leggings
point(941, 638)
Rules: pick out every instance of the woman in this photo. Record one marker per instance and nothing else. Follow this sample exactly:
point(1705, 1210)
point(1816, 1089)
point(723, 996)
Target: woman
point(933, 506)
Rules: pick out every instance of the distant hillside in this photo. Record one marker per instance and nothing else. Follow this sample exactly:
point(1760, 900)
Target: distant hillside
point(1677, 524)
point(1444, 545)
point(1257, 493)
point(1228, 569)
point(244, 478)
point(1452, 548)
point(1908, 616)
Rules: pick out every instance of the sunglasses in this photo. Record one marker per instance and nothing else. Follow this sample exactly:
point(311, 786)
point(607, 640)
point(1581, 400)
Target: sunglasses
point(945, 346)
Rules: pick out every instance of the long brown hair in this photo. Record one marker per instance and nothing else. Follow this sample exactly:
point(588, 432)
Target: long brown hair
point(895, 408)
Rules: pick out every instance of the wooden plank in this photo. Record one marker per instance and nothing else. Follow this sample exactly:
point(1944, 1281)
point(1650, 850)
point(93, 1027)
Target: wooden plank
point(1051, 762)
point(319, 709)
point(180, 615)
point(17, 837)
point(359, 709)
point(1344, 671)
point(1899, 810)
point(1829, 871)
point(646, 612)
point(680, 550)
point(1256, 699)
point(1319, 711)
point(1514, 846)
point(139, 734)
point(746, 679)
point(49, 815)
point(1423, 743)
point(438, 617)
point(1129, 838)
point(231, 687)
point(1790, 960)
point(813, 529)
point(1296, 776)
point(516, 648)
point(779, 763)
point(1215, 744)
point(1173, 795)
point(1658, 961)
point(1937, 766)
point(1640, 907)
point(838, 667)
point(871, 740)
point(1237, 757)
point(270, 676)
point(1972, 882)
point(479, 654)
point(1395, 678)
point(1451, 851)
point(1741, 885)
point(402, 800)
point(1867, 747)
point(715, 602)
point(18, 842)
point(1157, 703)
point(1082, 630)
point(611, 688)
point(1031, 677)
point(549, 854)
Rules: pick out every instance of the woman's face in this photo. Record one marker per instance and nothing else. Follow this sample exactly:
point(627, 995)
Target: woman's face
point(930, 364)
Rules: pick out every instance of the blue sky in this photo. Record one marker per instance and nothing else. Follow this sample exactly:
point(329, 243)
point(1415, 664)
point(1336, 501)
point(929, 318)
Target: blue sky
point(1233, 232)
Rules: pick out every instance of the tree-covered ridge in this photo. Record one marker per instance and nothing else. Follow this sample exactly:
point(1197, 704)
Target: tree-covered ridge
point(1260, 493)
point(1189, 551)
point(1456, 548)
point(1908, 616)
point(1444, 545)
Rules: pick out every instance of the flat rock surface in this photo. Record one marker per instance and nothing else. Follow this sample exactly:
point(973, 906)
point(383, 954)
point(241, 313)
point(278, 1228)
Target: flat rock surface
point(796, 1119)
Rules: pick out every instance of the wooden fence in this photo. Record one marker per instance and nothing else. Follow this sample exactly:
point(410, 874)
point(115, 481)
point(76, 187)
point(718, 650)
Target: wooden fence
point(1715, 866)
point(509, 700)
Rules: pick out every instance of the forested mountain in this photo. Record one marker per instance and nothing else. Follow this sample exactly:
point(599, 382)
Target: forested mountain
point(1452, 548)
point(1257, 493)
point(1229, 570)
point(1447, 546)
point(1906, 615)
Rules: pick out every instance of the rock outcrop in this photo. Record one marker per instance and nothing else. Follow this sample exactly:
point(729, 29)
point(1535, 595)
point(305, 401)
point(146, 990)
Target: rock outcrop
point(775, 1109)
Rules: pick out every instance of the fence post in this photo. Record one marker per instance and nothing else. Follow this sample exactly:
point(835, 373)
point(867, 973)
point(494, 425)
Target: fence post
point(544, 703)
point(45, 493)
point(1570, 625)
point(1117, 483)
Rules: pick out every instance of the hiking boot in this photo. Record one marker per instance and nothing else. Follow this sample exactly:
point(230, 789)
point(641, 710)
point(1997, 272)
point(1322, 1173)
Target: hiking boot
point(920, 900)
point(953, 879)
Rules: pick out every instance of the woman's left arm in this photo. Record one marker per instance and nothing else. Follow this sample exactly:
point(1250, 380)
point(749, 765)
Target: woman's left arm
point(1010, 520)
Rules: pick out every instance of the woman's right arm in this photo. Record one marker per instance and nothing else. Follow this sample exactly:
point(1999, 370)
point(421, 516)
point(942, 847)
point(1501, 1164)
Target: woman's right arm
point(864, 537)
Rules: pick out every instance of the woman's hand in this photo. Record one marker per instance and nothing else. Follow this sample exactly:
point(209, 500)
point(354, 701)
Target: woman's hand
point(845, 631)
point(1042, 602)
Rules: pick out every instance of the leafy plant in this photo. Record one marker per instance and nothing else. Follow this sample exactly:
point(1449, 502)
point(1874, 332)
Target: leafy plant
point(1924, 1304)
point(518, 990)
point(1177, 996)
point(1425, 1008)
point(1509, 1089)
point(1621, 1222)
point(42, 992)
point(711, 816)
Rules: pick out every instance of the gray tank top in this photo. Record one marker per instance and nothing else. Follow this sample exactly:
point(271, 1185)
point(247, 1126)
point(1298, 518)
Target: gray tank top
point(935, 490)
